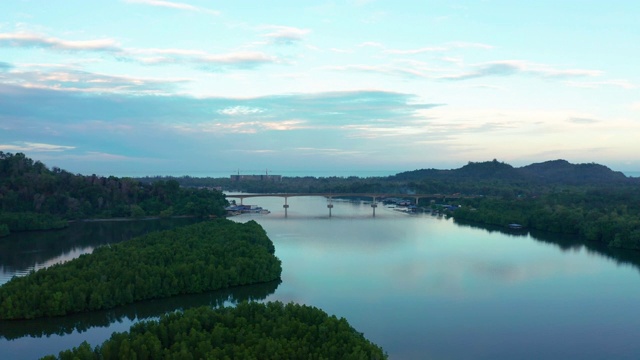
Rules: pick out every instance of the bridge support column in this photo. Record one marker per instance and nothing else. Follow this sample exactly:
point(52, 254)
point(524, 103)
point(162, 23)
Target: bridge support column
point(285, 206)
point(374, 206)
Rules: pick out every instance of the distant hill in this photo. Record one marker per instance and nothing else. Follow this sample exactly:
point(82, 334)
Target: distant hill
point(548, 172)
point(561, 171)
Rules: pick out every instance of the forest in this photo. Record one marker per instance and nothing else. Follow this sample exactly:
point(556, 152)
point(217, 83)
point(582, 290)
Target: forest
point(610, 216)
point(248, 331)
point(205, 256)
point(34, 197)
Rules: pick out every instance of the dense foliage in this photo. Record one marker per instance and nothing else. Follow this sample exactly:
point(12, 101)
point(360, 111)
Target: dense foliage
point(29, 221)
point(28, 186)
point(609, 216)
point(4, 230)
point(138, 311)
point(205, 256)
point(248, 331)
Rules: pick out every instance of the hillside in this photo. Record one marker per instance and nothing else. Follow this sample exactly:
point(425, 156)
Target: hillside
point(548, 172)
point(561, 171)
point(28, 187)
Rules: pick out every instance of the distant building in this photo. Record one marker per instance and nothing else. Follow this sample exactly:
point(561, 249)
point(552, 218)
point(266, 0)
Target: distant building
point(265, 177)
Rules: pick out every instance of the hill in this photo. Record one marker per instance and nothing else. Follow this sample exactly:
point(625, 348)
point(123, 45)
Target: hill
point(31, 189)
point(561, 171)
point(544, 173)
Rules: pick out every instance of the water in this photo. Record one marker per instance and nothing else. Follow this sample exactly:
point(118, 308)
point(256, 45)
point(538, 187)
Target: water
point(418, 285)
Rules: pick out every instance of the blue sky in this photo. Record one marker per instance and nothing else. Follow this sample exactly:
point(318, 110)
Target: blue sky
point(194, 87)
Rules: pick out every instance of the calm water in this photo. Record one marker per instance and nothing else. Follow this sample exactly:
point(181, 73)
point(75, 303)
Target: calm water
point(418, 285)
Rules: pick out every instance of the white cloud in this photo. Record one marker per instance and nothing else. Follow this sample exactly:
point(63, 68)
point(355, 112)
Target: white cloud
point(625, 84)
point(582, 120)
point(371, 44)
point(242, 127)
point(441, 48)
point(286, 34)
point(34, 147)
point(240, 110)
point(514, 67)
point(22, 39)
point(391, 70)
point(415, 51)
point(152, 56)
point(82, 81)
point(174, 5)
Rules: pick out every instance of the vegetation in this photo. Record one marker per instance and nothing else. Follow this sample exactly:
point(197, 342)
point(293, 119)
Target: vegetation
point(29, 221)
point(144, 310)
point(609, 216)
point(201, 257)
point(248, 331)
point(31, 194)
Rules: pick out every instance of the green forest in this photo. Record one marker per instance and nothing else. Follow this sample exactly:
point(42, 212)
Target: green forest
point(606, 215)
point(247, 331)
point(210, 255)
point(34, 197)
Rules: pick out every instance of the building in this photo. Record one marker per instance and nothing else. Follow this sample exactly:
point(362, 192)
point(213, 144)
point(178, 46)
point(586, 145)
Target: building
point(265, 177)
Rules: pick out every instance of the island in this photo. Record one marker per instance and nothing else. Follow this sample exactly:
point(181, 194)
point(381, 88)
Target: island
point(250, 330)
point(205, 256)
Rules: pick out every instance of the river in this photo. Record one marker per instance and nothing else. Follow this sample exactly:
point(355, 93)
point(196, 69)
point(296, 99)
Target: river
point(420, 286)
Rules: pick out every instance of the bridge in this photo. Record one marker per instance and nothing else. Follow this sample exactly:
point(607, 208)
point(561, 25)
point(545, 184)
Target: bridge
point(330, 196)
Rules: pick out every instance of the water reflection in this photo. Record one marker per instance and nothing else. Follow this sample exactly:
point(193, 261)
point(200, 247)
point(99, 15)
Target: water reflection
point(564, 242)
point(37, 328)
point(23, 252)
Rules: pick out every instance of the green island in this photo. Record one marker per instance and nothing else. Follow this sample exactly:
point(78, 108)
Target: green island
point(210, 255)
point(250, 330)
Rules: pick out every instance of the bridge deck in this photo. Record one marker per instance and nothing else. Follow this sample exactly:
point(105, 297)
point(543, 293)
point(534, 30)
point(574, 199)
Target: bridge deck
point(335, 195)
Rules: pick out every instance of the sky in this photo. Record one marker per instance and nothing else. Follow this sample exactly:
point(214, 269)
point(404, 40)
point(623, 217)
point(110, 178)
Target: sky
point(195, 87)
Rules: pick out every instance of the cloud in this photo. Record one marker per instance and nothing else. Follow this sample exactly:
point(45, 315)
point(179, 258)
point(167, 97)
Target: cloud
point(240, 110)
point(171, 127)
point(624, 84)
point(22, 39)
point(505, 68)
point(441, 48)
point(174, 5)
point(391, 70)
point(200, 59)
point(5, 66)
point(415, 51)
point(248, 127)
point(34, 147)
point(514, 67)
point(326, 151)
point(286, 35)
point(203, 60)
point(582, 121)
point(76, 80)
